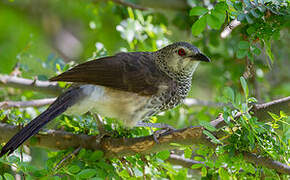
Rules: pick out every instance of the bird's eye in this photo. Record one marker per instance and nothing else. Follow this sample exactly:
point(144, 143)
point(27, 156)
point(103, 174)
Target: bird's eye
point(181, 52)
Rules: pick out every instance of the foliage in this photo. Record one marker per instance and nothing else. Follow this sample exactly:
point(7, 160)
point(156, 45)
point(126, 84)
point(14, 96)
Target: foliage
point(249, 66)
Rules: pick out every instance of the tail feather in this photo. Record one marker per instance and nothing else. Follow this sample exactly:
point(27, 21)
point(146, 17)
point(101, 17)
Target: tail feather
point(61, 104)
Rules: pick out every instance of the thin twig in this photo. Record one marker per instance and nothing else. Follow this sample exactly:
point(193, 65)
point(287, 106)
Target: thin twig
point(229, 28)
point(28, 84)
point(182, 161)
point(24, 104)
point(77, 150)
point(267, 162)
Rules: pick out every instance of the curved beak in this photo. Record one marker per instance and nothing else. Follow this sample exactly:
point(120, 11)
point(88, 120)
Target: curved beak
point(200, 57)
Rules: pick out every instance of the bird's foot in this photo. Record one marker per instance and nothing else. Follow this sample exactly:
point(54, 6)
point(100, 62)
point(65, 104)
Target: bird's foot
point(165, 128)
point(102, 131)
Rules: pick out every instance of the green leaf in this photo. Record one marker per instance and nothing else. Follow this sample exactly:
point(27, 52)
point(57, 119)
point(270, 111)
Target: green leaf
point(198, 11)
point(8, 176)
point(241, 53)
point(274, 116)
point(87, 173)
point(251, 30)
point(196, 166)
point(207, 125)
point(199, 26)
point(203, 171)
point(212, 137)
point(198, 158)
point(250, 21)
point(243, 45)
point(213, 21)
point(248, 3)
point(268, 50)
point(187, 152)
point(262, 9)
point(223, 174)
point(96, 155)
point(253, 12)
point(256, 51)
point(238, 5)
point(244, 86)
point(74, 169)
point(241, 17)
point(163, 154)
point(283, 114)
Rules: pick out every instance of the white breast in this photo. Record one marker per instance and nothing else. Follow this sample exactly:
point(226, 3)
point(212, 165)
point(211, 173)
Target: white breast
point(125, 106)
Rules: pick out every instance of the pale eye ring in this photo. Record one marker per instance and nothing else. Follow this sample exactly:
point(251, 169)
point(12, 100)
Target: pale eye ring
point(181, 52)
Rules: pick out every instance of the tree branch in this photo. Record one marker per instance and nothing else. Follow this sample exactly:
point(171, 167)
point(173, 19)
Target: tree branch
point(36, 85)
point(267, 162)
point(261, 110)
point(112, 147)
point(185, 162)
point(23, 104)
point(119, 147)
point(229, 28)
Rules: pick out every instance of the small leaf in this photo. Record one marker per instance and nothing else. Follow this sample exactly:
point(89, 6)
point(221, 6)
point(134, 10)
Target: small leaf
point(207, 125)
point(187, 153)
point(251, 30)
point(268, 50)
point(213, 21)
point(198, 11)
point(199, 26)
point(96, 155)
point(212, 137)
point(244, 45)
point(244, 86)
point(87, 173)
point(256, 51)
point(274, 116)
point(248, 3)
point(253, 12)
point(8, 176)
point(196, 166)
point(241, 17)
point(74, 169)
point(163, 154)
point(241, 53)
point(250, 21)
point(261, 9)
point(238, 5)
point(203, 171)
point(223, 174)
point(283, 114)
point(198, 158)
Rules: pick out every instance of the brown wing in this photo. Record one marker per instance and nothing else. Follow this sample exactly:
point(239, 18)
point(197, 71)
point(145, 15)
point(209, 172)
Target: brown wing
point(133, 72)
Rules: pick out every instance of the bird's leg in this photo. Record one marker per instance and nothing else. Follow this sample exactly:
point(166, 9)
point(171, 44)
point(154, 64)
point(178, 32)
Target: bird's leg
point(102, 131)
point(165, 128)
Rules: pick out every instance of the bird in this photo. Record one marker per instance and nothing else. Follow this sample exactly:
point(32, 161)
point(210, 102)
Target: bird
point(128, 86)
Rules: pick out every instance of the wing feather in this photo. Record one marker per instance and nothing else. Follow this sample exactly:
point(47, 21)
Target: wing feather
point(134, 72)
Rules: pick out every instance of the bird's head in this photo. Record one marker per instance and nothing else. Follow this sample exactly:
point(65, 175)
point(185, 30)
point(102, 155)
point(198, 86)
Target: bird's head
point(180, 58)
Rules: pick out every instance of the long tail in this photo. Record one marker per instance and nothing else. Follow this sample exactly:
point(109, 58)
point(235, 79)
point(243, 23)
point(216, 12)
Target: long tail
point(61, 104)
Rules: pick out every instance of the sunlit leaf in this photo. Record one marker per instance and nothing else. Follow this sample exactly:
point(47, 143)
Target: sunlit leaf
point(199, 25)
point(198, 11)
